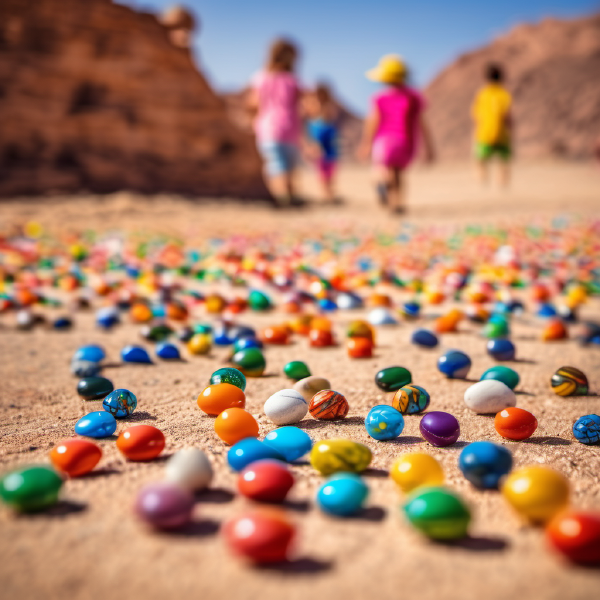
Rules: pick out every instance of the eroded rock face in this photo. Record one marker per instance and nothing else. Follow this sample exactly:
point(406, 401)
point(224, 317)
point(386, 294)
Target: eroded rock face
point(552, 71)
point(95, 96)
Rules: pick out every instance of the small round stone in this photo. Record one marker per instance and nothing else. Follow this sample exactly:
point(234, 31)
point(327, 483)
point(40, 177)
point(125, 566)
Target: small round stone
point(328, 405)
point(91, 353)
point(94, 388)
point(489, 396)
point(164, 505)
point(251, 362)
point(167, 351)
point(411, 399)
point(382, 316)
point(31, 489)
point(135, 354)
point(424, 338)
point(454, 364)
point(296, 370)
point(515, 423)
point(100, 424)
point(309, 386)
point(342, 494)
point(504, 374)
point(229, 375)
point(250, 449)
point(266, 480)
point(258, 300)
point(384, 422)
point(501, 349)
point(391, 379)
point(439, 428)
point(332, 456)
point(189, 468)
point(291, 442)
point(484, 464)
point(587, 429)
point(576, 535)
point(286, 407)
point(120, 403)
point(85, 368)
point(569, 381)
point(415, 470)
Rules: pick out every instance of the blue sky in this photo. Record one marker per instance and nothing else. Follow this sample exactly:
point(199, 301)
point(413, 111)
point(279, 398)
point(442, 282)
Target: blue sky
point(340, 40)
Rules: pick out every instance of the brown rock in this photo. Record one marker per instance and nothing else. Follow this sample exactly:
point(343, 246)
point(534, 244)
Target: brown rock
point(95, 96)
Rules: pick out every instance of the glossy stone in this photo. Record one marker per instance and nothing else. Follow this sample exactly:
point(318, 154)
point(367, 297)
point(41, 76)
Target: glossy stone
point(258, 300)
point(391, 379)
point(190, 469)
point(62, 323)
point(411, 399)
point(484, 464)
point(285, 407)
point(246, 342)
point(515, 423)
point(569, 381)
point(501, 349)
point(135, 354)
point(164, 505)
point(251, 362)
point(235, 424)
point(439, 428)
point(120, 403)
point(349, 301)
point(489, 396)
point(555, 330)
point(91, 353)
point(291, 442)
point(75, 457)
point(382, 316)
point(384, 422)
point(416, 469)
point(506, 375)
point(107, 318)
point(410, 310)
point(157, 333)
point(496, 329)
point(576, 535)
point(229, 375)
point(454, 364)
point(342, 494)
point(537, 493)
point(31, 488)
point(250, 449)
point(438, 513)
point(587, 429)
point(309, 386)
point(328, 405)
point(359, 347)
point(94, 388)
point(296, 370)
point(424, 338)
point(199, 344)
point(265, 480)
point(167, 351)
point(99, 424)
point(331, 456)
point(141, 442)
point(85, 368)
point(218, 397)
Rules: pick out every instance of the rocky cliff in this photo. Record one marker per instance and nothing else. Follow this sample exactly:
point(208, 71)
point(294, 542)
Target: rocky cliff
point(95, 96)
point(553, 72)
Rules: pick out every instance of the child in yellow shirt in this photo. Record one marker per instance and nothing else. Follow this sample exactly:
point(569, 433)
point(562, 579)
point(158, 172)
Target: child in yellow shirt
point(491, 114)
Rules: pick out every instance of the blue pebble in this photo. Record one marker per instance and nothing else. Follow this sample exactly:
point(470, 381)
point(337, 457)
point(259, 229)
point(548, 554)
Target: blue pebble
point(249, 450)
point(349, 301)
point(546, 310)
point(327, 305)
point(515, 306)
point(91, 353)
point(242, 331)
point(382, 316)
point(501, 349)
point(85, 368)
point(107, 318)
point(342, 495)
point(291, 442)
point(485, 463)
point(167, 351)
point(454, 364)
point(120, 403)
point(221, 338)
point(424, 338)
point(587, 429)
point(135, 354)
point(99, 424)
point(384, 422)
point(411, 310)
point(62, 323)
point(245, 343)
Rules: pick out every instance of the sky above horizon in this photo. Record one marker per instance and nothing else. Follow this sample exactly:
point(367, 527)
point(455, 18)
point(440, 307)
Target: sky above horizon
point(339, 40)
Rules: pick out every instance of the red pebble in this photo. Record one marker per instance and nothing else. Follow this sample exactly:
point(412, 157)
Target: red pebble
point(576, 535)
point(141, 442)
point(275, 335)
point(555, 330)
point(263, 537)
point(359, 347)
point(266, 481)
point(515, 423)
point(320, 338)
point(75, 457)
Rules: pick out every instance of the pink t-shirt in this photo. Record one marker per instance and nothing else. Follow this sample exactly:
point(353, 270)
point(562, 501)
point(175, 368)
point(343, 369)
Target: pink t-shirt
point(399, 109)
point(278, 118)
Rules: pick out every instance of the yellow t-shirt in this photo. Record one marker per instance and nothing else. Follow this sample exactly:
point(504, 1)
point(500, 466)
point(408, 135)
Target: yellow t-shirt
point(490, 109)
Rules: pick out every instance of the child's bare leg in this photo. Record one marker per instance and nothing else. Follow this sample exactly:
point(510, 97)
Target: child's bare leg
point(504, 173)
point(395, 196)
point(482, 171)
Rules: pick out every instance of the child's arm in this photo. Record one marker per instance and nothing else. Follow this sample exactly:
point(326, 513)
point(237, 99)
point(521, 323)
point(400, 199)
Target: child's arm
point(370, 129)
point(429, 151)
point(251, 101)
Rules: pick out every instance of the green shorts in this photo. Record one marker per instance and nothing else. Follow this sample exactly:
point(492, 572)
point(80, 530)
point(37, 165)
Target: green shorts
point(486, 151)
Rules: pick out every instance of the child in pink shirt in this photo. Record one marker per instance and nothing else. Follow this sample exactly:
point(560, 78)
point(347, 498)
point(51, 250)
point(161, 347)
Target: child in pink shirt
point(275, 98)
point(392, 130)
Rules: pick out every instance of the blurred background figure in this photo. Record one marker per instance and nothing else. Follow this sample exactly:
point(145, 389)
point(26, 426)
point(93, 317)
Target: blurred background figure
point(274, 99)
point(392, 130)
point(322, 128)
point(180, 24)
point(491, 114)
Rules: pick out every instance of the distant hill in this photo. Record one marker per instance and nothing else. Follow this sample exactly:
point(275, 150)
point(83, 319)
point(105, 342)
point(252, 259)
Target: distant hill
point(553, 72)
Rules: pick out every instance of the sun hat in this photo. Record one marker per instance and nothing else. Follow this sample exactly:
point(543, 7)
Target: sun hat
point(390, 69)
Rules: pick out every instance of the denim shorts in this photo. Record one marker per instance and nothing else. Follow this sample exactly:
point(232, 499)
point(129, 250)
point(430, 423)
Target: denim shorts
point(278, 157)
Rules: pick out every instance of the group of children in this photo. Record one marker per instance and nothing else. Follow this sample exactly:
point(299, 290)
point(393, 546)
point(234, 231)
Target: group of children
point(289, 121)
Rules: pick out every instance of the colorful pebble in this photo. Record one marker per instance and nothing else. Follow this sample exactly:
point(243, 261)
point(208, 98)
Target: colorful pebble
point(415, 470)
point(484, 464)
point(216, 398)
point(100, 424)
point(331, 456)
point(515, 423)
point(235, 424)
point(384, 423)
point(342, 494)
point(285, 407)
point(439, 428)
point(141, 442)
point(265, 480)
point(75, 457)
point(328, 405)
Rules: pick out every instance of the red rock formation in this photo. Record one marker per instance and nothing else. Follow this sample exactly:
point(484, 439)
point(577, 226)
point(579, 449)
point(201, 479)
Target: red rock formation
point(553, 72)
point(94, 96)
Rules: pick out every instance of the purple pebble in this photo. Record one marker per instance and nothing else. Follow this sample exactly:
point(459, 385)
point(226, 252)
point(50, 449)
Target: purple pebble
point(164, 505)
point(439, 428)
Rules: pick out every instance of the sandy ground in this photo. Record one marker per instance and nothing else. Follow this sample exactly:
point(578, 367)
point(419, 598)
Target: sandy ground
point(91, 545)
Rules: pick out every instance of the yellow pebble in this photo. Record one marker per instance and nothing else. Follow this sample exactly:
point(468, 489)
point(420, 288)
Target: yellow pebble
point(200, 343)
point(416, 469)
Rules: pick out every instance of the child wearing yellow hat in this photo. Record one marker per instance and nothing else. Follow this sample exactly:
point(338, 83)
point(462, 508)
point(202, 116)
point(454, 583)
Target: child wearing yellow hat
point(491, 115)
point(392, 129)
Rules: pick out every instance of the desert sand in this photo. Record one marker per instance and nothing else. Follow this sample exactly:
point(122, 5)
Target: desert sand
point(92, 546)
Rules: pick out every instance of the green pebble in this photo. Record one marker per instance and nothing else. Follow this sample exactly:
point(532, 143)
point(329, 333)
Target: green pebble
point(31, 489)
point(393, 378)
point(438, 513)
point(229, 375)
point(94, 388)
point(250, 361)
point(296, 370)
point(496, 329)
point(259, 301)
point(158, 333)
point(506, 375)
point(202, 328)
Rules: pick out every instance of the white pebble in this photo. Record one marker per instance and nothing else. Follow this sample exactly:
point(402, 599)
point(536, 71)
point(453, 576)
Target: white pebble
point(489, 396)
point(309, 386)
point(285, 407)
point(190, 469)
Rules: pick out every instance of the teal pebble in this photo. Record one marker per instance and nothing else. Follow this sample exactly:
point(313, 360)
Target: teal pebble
point(229, 375)
point(504, 374)
point(342, 495)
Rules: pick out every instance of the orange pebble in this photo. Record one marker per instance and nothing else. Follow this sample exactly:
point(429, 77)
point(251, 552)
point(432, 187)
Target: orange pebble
point(555, 330)
point(141, 442)
point(75, 457)
point(515, 423)
point(219, 397)
point(378, 299)
point(445, 324)
point(321, 324)
point(177, 311)
point(291, 307)
point(539, 293)
point(140, 312)
point(214, 303)
point(237, 305)
point(278, 335)
point(319, 338)
point(359, 347)
point(301, 324)
point(235, 424)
